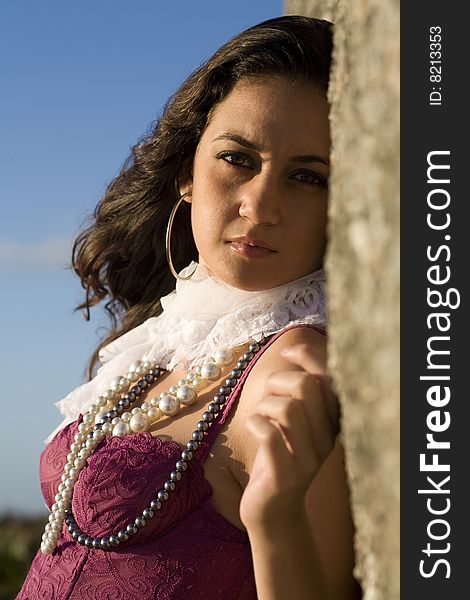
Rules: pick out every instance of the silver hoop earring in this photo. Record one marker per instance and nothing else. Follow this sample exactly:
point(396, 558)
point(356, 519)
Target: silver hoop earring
point(168, 239)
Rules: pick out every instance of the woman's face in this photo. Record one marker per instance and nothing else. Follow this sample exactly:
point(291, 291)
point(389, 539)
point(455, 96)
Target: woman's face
point(259, 184)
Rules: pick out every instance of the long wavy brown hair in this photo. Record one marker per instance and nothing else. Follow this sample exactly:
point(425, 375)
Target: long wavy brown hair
point(120, 257)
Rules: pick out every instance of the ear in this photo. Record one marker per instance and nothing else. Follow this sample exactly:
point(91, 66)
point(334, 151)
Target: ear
point(184, 180)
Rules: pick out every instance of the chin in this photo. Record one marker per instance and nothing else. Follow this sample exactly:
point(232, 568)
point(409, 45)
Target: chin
point(252, 275)
point(246, 278)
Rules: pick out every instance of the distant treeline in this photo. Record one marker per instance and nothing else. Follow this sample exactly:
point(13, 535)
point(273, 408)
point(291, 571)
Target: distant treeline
point(20, 538)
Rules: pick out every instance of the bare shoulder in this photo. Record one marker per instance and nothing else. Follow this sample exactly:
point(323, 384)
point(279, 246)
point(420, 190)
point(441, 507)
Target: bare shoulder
point(296, 335)
point(272, 360)
point(269, 362)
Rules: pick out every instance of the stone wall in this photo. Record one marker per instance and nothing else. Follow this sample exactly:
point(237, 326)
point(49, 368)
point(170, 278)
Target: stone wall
point(362, 266)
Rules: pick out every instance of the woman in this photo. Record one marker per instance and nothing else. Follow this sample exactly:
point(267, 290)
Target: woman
point(255, 504)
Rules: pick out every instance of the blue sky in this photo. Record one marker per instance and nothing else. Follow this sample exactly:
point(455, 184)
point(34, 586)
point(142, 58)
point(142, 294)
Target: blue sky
point(80, 83)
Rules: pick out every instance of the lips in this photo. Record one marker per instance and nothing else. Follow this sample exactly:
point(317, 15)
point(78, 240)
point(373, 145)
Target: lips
point(250, 247)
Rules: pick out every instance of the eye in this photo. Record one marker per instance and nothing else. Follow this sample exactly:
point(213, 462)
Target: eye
point(310, 179)
point(235, 159)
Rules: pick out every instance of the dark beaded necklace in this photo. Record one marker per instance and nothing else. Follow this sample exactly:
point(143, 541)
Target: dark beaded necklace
point(162, 495)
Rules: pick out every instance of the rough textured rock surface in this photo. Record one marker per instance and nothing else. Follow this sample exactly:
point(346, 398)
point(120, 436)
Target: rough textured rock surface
point(362, 266)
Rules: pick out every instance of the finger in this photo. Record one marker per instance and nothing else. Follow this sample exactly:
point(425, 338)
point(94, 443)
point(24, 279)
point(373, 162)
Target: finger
point(312, 358)
point(308, 356)
point(293, 383)
point(331, 401)
point(268, 436)
point(304, 422)
point(311, 388)
point(290, 417)
point(298, 384)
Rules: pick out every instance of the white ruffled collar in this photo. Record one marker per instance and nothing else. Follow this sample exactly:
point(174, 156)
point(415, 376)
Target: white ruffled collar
point(199, 316)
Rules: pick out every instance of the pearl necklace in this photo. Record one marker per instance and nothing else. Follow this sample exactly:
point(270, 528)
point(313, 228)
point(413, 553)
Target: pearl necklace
point(98, 422)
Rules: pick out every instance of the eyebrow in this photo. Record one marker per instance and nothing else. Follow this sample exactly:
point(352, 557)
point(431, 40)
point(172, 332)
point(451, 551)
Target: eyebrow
point(251, 146)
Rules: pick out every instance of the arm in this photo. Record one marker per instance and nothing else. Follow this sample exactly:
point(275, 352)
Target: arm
point(286, 561)
point(295, 504)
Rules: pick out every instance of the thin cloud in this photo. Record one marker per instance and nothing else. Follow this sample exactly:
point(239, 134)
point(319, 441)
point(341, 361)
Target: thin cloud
point(49, 253)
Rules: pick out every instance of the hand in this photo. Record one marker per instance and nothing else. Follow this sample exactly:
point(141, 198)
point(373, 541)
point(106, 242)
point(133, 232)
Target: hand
point(295, 425)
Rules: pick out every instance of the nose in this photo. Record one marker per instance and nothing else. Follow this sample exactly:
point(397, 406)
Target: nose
point(260, 199)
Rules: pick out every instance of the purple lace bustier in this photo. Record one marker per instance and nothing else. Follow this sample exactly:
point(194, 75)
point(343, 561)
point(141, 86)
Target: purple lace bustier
point(187, 551)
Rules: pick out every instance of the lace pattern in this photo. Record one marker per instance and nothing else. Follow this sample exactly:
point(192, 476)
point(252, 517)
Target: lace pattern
point(177, 556)
point(201, 315)
point(188, 551)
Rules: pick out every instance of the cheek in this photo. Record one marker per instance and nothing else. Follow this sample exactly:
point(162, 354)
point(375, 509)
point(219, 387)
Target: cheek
point(213, 205)
point(209, 220)
point(309, 219)
point(310, 231)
